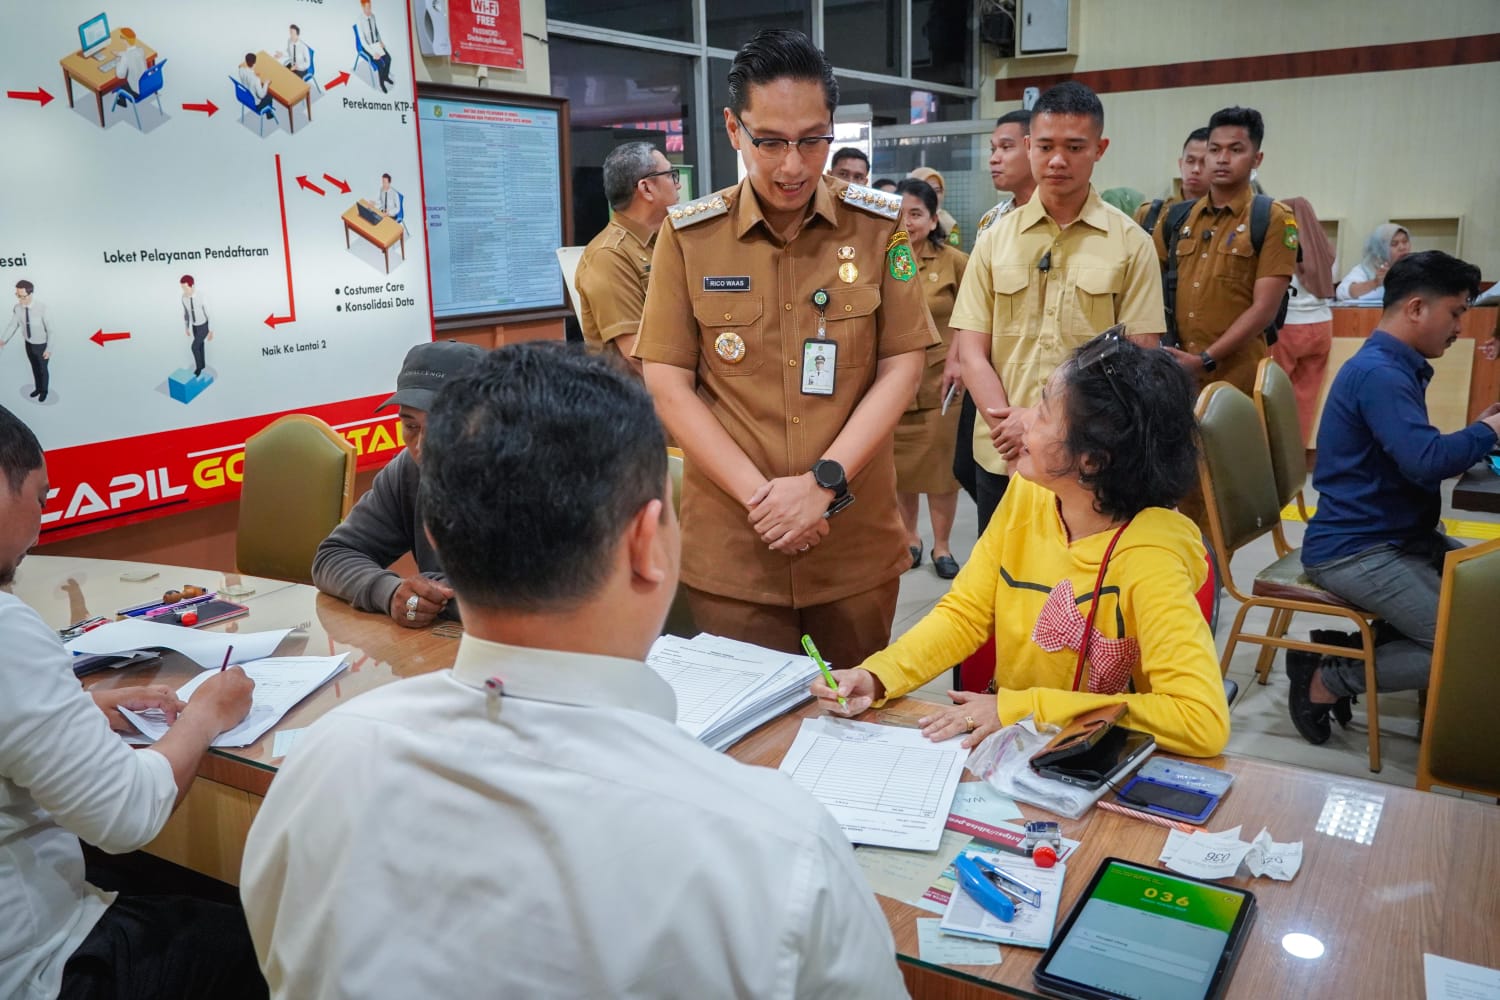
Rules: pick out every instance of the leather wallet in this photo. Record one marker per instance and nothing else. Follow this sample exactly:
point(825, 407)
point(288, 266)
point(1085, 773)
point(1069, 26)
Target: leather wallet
point(1079, 736)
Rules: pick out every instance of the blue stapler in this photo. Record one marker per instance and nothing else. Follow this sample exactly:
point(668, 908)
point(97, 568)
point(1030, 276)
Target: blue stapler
point(993, 888)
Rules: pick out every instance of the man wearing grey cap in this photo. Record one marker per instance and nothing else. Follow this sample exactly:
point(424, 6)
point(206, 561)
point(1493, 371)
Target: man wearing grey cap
point(387, 523)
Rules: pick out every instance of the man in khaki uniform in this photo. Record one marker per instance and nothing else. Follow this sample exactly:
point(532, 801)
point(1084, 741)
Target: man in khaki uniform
point(1227, 294)
point(1010, 166)
point(747, 286)
point(1044, 279)
point(612, 273)
point(1190, 185)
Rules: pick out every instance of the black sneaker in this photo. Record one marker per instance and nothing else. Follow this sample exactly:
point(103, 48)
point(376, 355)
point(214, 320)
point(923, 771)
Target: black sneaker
point(1311, 720)
point(1343, 709)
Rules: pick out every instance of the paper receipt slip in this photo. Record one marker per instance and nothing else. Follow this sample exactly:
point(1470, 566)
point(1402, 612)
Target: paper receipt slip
point(885, 786)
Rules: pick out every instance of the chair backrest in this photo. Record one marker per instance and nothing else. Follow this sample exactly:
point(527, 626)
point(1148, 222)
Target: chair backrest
point(1277, 404)
point(150, 80)
point(1234, 470)
point(359, 45)
point(1458, 749)
point(242, 94)
point(312, 59)
point(567, 259)
point(299, 482)
point(400, 207)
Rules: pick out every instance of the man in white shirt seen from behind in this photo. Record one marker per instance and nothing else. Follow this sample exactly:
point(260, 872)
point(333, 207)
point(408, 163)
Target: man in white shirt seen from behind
point(553, 833)
point(65, 777)
point(259, 89)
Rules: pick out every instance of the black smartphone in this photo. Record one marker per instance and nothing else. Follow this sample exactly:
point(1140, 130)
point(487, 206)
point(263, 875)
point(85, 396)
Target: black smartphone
point(1183, 803)
point(1115, 754)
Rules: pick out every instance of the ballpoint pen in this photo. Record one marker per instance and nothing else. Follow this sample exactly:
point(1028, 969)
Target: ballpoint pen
point(227, 654)
point(812, 651)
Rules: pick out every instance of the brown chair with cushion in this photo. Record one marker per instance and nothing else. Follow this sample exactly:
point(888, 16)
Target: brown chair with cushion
point(1239, 492)
point(1458, 739)
point(299, 483)
point(1277, 404)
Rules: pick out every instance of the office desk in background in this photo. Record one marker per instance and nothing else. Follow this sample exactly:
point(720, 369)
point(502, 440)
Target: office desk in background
point(285, 86)
point(1387, 873)
point(1478, 489)
point(384, 234)
point(85, 70)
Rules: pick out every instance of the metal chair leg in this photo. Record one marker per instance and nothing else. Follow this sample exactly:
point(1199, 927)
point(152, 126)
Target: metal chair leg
point(1280, 619)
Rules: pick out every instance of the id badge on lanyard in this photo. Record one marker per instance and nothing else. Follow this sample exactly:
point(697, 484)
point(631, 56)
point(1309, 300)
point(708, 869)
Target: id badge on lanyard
point(819, 354)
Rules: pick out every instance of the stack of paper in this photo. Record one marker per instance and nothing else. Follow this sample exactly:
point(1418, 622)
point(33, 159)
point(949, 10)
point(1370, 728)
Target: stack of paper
point(1032, 926)
point(886, 786)
point(206, 648)
point(726, 688)
point(280, 683)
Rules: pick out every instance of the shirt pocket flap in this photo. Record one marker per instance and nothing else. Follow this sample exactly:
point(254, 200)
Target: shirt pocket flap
point(1010, 279)
point(726, 309)
point(1101, 280)
point(852, 303)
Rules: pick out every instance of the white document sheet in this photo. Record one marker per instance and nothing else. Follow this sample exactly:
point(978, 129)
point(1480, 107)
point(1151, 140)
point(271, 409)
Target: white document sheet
point(725, 688)
point(204, 648)
point(886, 785)
point(280, 683)
point(1447, 979)
point(1032, 926)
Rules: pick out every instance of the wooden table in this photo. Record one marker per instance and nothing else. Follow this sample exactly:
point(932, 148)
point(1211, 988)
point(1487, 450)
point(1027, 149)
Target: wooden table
point(384, 234)
point(1478, 489)
point(1419, 876)
point(285, 86)
point(85, 70)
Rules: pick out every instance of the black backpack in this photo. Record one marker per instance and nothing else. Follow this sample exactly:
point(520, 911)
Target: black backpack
point(1260, 221)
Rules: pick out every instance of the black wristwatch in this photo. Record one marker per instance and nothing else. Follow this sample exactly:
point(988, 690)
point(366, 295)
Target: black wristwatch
point(830, 476)
point(1209, 364)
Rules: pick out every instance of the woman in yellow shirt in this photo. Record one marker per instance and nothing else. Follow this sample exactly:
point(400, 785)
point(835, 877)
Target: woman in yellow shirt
point(926, 435)
point(1111, 448)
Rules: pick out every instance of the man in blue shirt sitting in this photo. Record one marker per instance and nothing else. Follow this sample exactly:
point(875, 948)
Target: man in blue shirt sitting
point(1375, 539)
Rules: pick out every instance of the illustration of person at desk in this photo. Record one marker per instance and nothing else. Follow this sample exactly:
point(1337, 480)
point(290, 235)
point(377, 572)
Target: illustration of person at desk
point(259, 89)
point(129, 66)
point(388, 200)
point(295, 57)
point(369, 36)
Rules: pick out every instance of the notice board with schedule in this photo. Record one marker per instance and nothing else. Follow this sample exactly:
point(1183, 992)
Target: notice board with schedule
point(495, 178)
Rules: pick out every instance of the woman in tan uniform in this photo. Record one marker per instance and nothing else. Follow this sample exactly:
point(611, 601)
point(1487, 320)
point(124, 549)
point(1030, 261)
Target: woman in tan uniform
point(945, 221)
point(926, 436)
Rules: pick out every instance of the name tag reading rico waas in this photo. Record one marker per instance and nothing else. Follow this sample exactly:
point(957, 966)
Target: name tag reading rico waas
point(726, 283)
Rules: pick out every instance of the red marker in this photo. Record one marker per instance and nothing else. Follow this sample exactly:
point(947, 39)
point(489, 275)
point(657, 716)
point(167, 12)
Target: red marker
point(227, 654)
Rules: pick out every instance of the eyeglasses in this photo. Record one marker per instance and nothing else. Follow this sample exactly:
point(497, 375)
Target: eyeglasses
point(775, 149)
point(1099, 351)
point(674, 173)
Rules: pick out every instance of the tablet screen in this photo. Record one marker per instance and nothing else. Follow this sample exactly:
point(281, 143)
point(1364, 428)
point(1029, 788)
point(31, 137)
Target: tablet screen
point(1146, 933)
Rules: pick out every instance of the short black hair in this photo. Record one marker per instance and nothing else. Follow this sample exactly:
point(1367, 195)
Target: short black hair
point(295, 28)
point(249, 58)
point(1430, 274)
point(25, 286)
point(1196, 135)
point(20, 451)
point(774, 54)
point(533, 462)
point(850, 153)
point(1070, 98)
point(1237, 117)
point(884, 184)
point(385, 177)
point(1131, 430)
point(927, 195)
point(1021, 117)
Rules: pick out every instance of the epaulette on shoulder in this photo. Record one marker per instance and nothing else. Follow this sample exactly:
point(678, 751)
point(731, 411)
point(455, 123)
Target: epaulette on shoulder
point(875, 202)
point(695, 212)
point(986, 221)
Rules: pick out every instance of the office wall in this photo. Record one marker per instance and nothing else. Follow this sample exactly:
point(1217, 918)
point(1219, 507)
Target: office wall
point(1362, 147)
point(533, 79)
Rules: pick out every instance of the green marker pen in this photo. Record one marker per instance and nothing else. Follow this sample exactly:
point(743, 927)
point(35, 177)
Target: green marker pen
point(812, 651)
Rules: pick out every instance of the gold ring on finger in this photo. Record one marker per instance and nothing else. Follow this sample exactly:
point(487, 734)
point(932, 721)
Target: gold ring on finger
point(969, 721)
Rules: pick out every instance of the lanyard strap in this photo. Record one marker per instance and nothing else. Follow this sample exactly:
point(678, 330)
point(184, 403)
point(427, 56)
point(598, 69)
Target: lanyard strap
point(1088, 626)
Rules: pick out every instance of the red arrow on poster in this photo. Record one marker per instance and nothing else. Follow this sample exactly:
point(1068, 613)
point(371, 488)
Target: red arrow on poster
point(207, 106)
point(341, 185)
point(273, 320)
point(39, 95)
point(309, 185)
point(342, 78)
point(101, 338)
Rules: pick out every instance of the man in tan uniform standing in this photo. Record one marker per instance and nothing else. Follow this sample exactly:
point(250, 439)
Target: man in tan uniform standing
point(1227, 292)
point(1044, 279)
point(641, 186)
point(789, 518)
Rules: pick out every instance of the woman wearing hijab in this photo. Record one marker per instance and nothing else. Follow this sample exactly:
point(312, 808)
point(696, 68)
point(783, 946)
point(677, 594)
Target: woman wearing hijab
point(1302, 346)
point(1386, 245)
point(947, 221)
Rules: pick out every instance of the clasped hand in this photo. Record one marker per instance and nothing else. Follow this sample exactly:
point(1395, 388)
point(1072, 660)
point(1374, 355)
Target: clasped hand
point(1008, 434)
point(787, 513)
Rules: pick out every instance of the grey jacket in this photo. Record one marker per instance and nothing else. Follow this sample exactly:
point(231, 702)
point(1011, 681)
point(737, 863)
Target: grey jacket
point(385, 525)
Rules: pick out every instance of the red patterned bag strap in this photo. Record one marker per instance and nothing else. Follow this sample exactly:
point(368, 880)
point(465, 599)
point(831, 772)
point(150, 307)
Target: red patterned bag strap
point(1088, 626)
